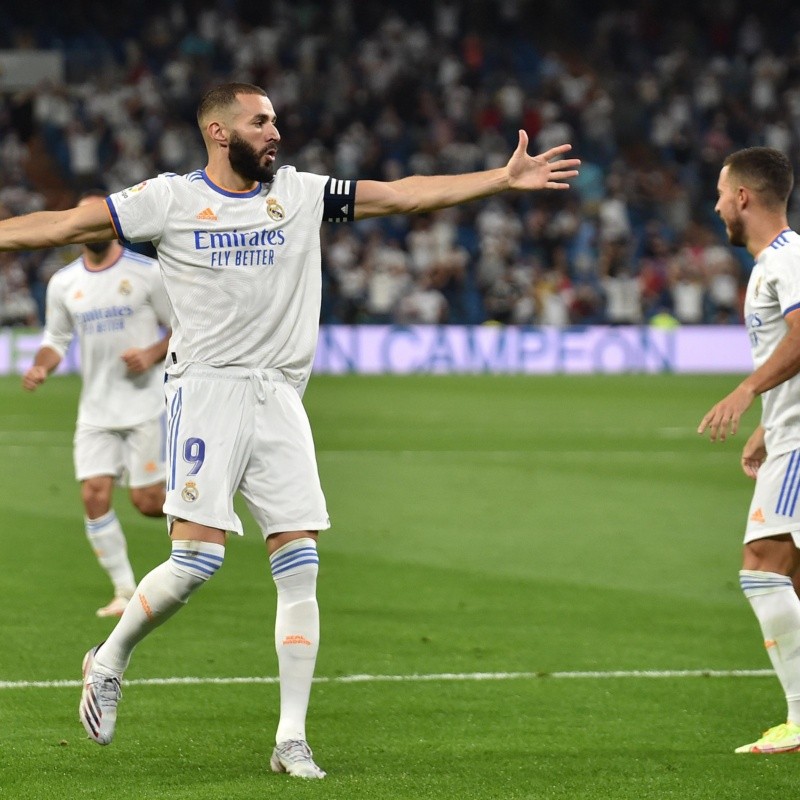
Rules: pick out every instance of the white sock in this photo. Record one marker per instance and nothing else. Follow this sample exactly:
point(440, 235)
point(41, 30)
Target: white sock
point(777, 609)
point(159, 595)
point(108, 542)
point(294, 570)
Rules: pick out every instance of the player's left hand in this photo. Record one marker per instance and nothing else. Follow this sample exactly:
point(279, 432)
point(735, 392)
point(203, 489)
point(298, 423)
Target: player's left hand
point(723, 418)
point(540, 172)
point(754, 453)
point(34, 377)
point(136, 360)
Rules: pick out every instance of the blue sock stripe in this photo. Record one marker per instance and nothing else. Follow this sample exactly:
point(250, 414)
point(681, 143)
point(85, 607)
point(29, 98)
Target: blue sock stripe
point(764, 581)
point(94, 525)
point(196, 567)
point(764, 584)
point(280, 570)
point(301, 552)
point(787, 500)
point(210, 557)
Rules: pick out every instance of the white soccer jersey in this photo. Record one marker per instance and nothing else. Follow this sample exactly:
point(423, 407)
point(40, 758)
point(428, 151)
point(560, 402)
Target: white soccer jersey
point(773, 291)
point(111, 310)
point(242, 269)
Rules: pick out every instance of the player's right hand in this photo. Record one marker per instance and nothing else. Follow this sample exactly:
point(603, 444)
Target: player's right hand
point(33, 378)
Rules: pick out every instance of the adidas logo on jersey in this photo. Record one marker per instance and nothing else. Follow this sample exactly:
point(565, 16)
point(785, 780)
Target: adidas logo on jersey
point(757, 516)
point(208, 214)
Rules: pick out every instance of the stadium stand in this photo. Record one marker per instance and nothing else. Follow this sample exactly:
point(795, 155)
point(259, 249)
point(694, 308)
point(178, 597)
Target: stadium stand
point(652, 103)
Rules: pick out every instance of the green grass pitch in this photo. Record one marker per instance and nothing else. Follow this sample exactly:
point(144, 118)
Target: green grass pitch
point(500, 545)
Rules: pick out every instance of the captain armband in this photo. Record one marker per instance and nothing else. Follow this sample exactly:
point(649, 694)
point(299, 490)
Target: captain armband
point(339, 201)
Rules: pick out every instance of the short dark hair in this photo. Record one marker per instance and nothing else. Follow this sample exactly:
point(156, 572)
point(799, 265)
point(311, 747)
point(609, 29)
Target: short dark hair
point(765, 170)
point(223, 96)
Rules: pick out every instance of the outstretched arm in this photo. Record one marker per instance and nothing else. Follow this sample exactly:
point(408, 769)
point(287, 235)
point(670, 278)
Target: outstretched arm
point(420, 193)
point(87, 223)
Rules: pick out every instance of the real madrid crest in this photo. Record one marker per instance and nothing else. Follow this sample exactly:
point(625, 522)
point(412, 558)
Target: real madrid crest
point(190, 492)
point(275, 210)
point(125, 286)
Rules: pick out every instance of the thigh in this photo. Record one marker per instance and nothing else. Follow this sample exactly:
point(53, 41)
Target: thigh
point(98, 451)
point(775, 507)
point(209, 425)
point(145, 450)
point(281, 484)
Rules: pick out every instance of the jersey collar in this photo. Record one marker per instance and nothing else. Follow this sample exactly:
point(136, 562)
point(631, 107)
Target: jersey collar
point(227, 192)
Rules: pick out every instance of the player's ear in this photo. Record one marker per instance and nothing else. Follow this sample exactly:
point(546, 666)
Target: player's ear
point(742, 196)
point(217, 134)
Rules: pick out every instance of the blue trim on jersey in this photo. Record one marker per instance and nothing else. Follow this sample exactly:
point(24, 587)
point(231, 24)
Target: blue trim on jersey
point(787, 500)
point(791, 308)
point(780, 240)
point(115, 218)
point(225, 192)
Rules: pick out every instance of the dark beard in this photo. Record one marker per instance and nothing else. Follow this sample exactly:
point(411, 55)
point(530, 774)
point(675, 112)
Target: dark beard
point(98, 248)
point(245, 161)
point(736, 233)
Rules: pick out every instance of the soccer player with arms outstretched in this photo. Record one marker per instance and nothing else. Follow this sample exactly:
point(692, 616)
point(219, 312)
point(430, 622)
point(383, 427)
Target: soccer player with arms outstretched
point(113, 299)
point(753, 192)
point(239, 249)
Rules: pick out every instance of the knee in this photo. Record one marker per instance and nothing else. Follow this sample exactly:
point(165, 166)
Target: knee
point(149, 501)
point(777, 555)
point(96, 497)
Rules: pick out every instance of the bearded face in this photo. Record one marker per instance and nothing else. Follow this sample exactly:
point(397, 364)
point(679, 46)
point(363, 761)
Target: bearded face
point(735, 228)
point(248, 162)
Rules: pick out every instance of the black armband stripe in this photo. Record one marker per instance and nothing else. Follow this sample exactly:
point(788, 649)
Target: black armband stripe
point(339, 200)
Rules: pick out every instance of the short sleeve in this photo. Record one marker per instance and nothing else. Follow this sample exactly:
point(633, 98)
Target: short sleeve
point(139, 212)
point(59, 327)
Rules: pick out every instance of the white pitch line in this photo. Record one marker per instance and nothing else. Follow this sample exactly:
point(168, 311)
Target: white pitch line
point(439, 676)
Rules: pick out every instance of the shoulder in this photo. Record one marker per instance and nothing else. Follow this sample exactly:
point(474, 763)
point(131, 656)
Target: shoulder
point(288, 176)
point(67, 273)
point(163, 183)
point(783, 251)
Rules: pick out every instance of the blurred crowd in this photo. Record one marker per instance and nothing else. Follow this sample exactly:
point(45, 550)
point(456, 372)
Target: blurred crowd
point(651, 100)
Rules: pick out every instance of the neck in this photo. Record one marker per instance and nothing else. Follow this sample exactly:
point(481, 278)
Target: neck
point(222, 175)
point(762, 238)
point(95, 262)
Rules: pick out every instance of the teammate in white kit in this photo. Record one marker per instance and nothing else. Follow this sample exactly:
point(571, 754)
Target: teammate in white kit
point(238, 243)
point(754, 187)
point(114, 300)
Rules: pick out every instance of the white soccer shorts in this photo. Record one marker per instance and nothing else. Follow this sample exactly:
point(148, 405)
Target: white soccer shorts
point(235, 429)
point(775, 508)
point(133, 456)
